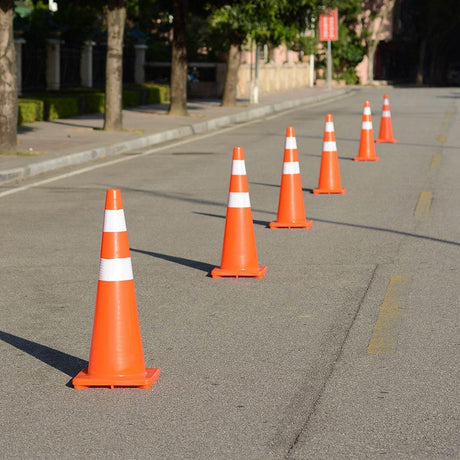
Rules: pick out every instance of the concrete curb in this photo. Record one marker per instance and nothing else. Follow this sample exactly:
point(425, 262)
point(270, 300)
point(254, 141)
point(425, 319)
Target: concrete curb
point(158, 138)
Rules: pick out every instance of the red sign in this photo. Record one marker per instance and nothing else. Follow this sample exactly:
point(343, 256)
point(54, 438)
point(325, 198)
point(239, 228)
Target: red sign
point(329, 25)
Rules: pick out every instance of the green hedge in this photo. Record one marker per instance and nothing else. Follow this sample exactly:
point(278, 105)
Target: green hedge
point(151, 93)
point(60, 107)
point(81, 101)
point(91, 103)
point(30, 110)
point(131, 98)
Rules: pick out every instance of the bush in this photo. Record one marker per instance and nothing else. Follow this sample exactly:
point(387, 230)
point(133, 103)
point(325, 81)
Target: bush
point(27, 112)
point(80, 101)
point(91, 103)
point(158, 94)
point(131, 98)
point(60, 107)
point(30, 110)
point(151, 93)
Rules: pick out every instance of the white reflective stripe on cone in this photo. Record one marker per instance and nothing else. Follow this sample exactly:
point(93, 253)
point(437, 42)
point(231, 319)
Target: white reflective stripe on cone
point(114, 220)
point(329, 127)
point(291, 143)
point(367, 111)
point(367, 125)
point(386, 113)
point(386, 101)
point(238, 200)
point(115, 269)
point(330, 146)
point(291, 167)
point(238, 168)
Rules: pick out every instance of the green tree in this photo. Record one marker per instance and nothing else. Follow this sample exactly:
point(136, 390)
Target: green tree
point(349, 49)
point(232, 24)
point(8, 87)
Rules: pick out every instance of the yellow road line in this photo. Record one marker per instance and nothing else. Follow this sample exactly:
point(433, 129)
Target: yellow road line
point(436, 160)
point(423, 204)
point(385, 335)
point(442, 138)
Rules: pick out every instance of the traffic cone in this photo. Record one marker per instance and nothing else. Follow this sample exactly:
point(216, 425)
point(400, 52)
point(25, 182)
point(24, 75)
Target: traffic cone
point(239, 253)
point(386, 128)
point(116, 357)
point(329, 175)
point(366, 143)
point(291, 212)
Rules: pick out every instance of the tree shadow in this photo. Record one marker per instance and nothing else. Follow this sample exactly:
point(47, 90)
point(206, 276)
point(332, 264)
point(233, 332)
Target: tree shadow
point(263, 223)
point(451, 96)
point(309, 190)
point(184, 198)
point(63, 362)
point(196, 264)
point(387, 230)
point(265, 185)
point(24, 129)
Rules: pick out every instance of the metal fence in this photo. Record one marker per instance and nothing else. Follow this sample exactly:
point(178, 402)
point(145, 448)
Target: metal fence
point(34, 66)
point(70, 66)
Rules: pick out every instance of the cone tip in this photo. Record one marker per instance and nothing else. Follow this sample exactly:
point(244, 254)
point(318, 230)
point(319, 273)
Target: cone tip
point(385, 96)
point(290, 132)
point(238, 153)
point(367, 104)
point(329, 117)
point(113, 199)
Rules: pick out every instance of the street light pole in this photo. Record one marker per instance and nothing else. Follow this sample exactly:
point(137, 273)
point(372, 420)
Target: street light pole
point(329, 65)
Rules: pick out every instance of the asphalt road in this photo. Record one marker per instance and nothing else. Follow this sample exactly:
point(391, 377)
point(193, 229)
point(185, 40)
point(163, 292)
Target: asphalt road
point(348, 348)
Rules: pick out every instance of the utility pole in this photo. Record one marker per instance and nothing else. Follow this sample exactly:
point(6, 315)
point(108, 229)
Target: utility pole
point(254, 88)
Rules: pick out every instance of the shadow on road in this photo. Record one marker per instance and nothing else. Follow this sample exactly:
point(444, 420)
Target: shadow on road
point(182, 197)
point(63, 362)
point(263, 223)
point(203, 266)
point(387, 230)
point(309, 190)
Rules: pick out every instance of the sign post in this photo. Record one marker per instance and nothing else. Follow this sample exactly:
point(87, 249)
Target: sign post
point(329, 31)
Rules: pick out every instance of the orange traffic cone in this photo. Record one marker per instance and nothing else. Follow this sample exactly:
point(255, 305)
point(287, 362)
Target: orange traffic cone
point(366, 143)
point(386, 128)
point(291, 212)
point(239, 253)
point(116, 357)
point(329, 175)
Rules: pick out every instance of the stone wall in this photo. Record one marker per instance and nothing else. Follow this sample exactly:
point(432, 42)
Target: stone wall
point(274, 78)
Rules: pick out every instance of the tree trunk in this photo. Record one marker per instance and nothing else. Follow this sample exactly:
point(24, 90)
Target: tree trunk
point(383, 12)
point(116, 17)
point(370, 61)
point(421, 63)
point(178, 105)
point(8, 86)
point(231, 77)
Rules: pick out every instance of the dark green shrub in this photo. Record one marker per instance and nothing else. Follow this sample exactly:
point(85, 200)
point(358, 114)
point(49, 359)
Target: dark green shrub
point(60, 107)
point(150, 93)
point(130, 98)
point(158, 94)
point(91, 103)
point(80, 101)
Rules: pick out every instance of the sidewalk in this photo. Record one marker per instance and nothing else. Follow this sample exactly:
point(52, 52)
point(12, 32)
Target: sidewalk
point(46, 146)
